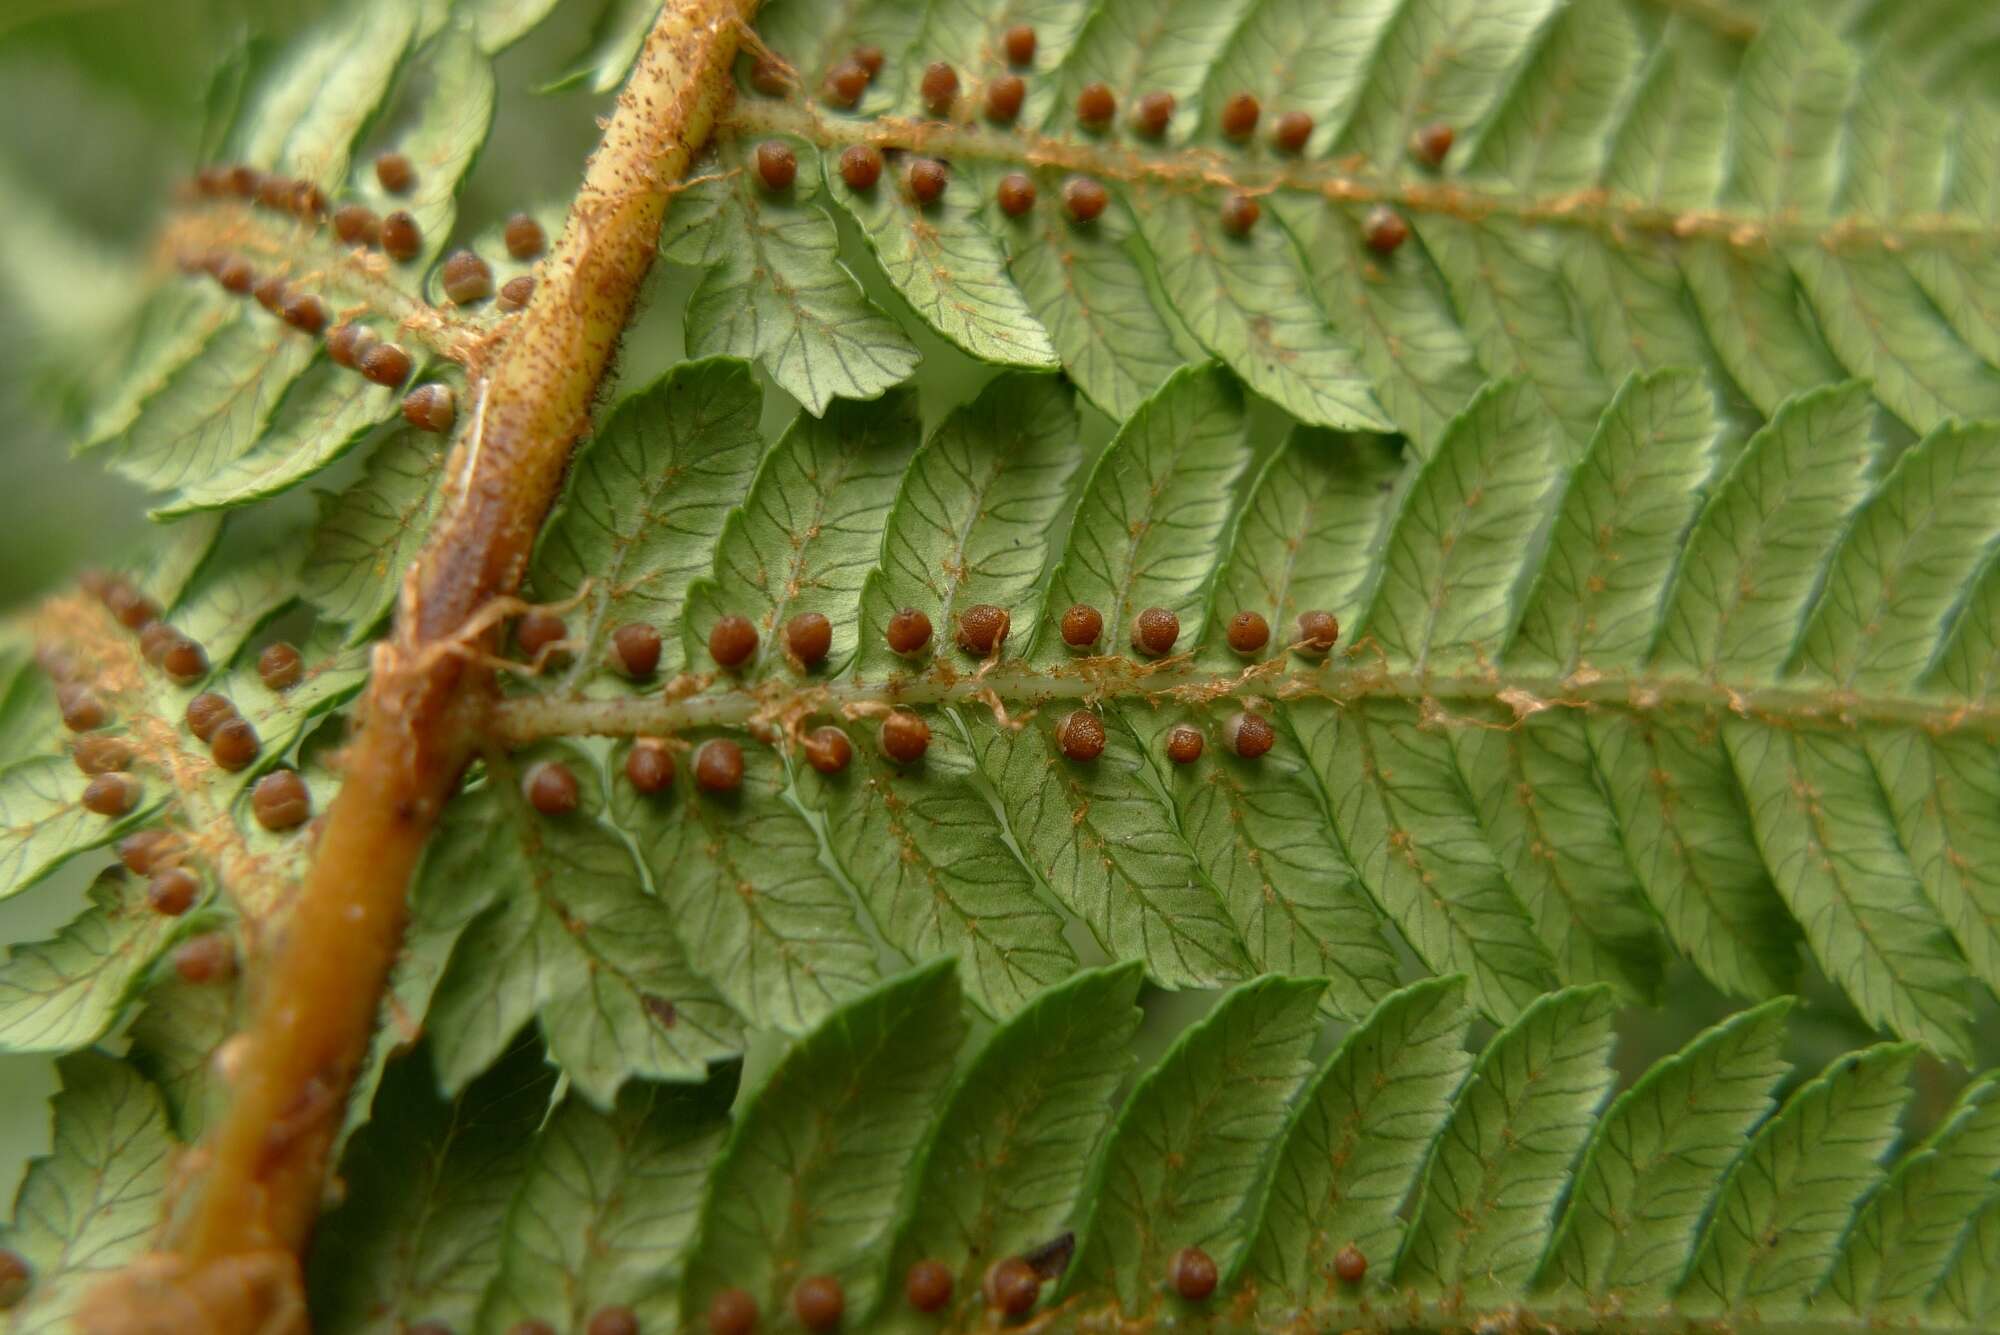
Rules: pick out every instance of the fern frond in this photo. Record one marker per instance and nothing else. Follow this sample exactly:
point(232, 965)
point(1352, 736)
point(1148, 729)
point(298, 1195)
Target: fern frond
point(1700, 1200)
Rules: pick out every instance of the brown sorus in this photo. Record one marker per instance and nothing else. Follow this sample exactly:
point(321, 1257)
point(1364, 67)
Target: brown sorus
point(718, 766)
point(1153, 113)
point(982, 629)
point(15, 1279)
point(732, 1312)
point(465, 278)
point(769, 77)
point(236, 275)
point(1154, 632)
point(905, 737)
point(1431, 143)
point(304, 312)
point(928, 1284)
point(270, 293)
point(1240, 213)
point(1184, 744)
point(1384, 230)
point(386, 364)
point(205, 958)
point(514, 293)
point(649, 765)
point(1020, 44)
point(939, 87)
point(1192, 1273)
point(280, 800)
point(1081, 735)
point(185, 661)
point(524, 237)
point(1318, 631)
point(212, 180)
point(809, 637)
point(101, 755)
point(155, 638)
point(431, 407)
point(538, 630)
point(1012, 1286)
point(1350, 1265)
point(845, 83)
point(818, 1302)
point(142, 850)
point(616, 1319)
point(243, 181)
point(280, 666)
point(1081, 626)
point(349, 343)
point(207, 712)
point(112, 794)
point(233, 743)
point(868, 58)
point(908, 631)
point(777, 165)
point(395, 173)
point(357, 225)
point(275, 191)
point(1239, 116)
point(402, 239)
point(1095, 106)
point(551, 788)
point(132, 608)
point(1084, 198)
point(1004, 97)
point(861, 166)
point(635, 650)
point(827, 749)
point(1292, 131)
point(732, 641)
point(172, 891)
point(82, 710)
point(1250, 735)
point(308, 200)
point(1247, 632)
point(1016, 194)
point(928, 179)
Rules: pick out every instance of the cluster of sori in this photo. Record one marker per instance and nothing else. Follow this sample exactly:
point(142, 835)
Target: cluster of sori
point(903, 736)
point(466, 279)
point(1084, 197)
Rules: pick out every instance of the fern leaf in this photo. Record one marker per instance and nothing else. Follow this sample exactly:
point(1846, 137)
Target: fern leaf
point(88, 1206)
point(64, 993)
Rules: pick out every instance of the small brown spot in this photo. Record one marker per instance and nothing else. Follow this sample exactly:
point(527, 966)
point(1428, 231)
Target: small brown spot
point(732, 1312)
point(185, 661)
point(395, 173)
point(207, 712)
point(1153, 113)
point(304, 312)
point(1248, 632)
point(551, 788)
point(982, 629)
point(1095, 106)
point(905, 737)
point(1240, 213)
point(233, 743)
point(1184, 744)
point(172, 891)
point(1430, 144)
point(845, 83)
point(732, 641)
point(1318, 631)
point(908, 632)
point(861, 166)
point(100, 755)
point(660, 1011)
point(940, 87)
point(1084, 198)
point(281, 801)
point(1081, 735)
point(466, 279)
point(635, 650)
point(431, 407)
point(809, 638)
point(1350, 1265)
point(515, 292)
point(1004, 97)
point(649, 765)
point(113, 794)
point(357, 225)
point(1292, 131)
point(1384, 230)
point(1192, 1273)
point(718, 766)
point(524, 237)
point(1239, 116)
point(818, 1302)
point(538, 630)
point(1154, 632)
point(1250, 735)
point(927, 178)
point(142, 850)
point(209, 957)
point(1082, 624)
point(1012, 1286)
point(928, 1285)
point(386, 364)
point(777, 165)
point(1016, 194)
point(402, 239)
point(280, 666)
point(83, 710)
point(1020, 44)
point(613, 1320)
point(868, 58)
point(827, 749)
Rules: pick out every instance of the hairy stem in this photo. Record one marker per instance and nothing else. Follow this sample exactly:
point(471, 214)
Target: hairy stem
point(1015, 686)
point(231, 1260)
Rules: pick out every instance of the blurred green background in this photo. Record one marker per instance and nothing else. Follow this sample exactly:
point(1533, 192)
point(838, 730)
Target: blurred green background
point(105, 105)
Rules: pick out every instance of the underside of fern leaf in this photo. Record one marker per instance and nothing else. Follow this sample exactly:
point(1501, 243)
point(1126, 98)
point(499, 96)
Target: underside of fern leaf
point(1457, 510)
